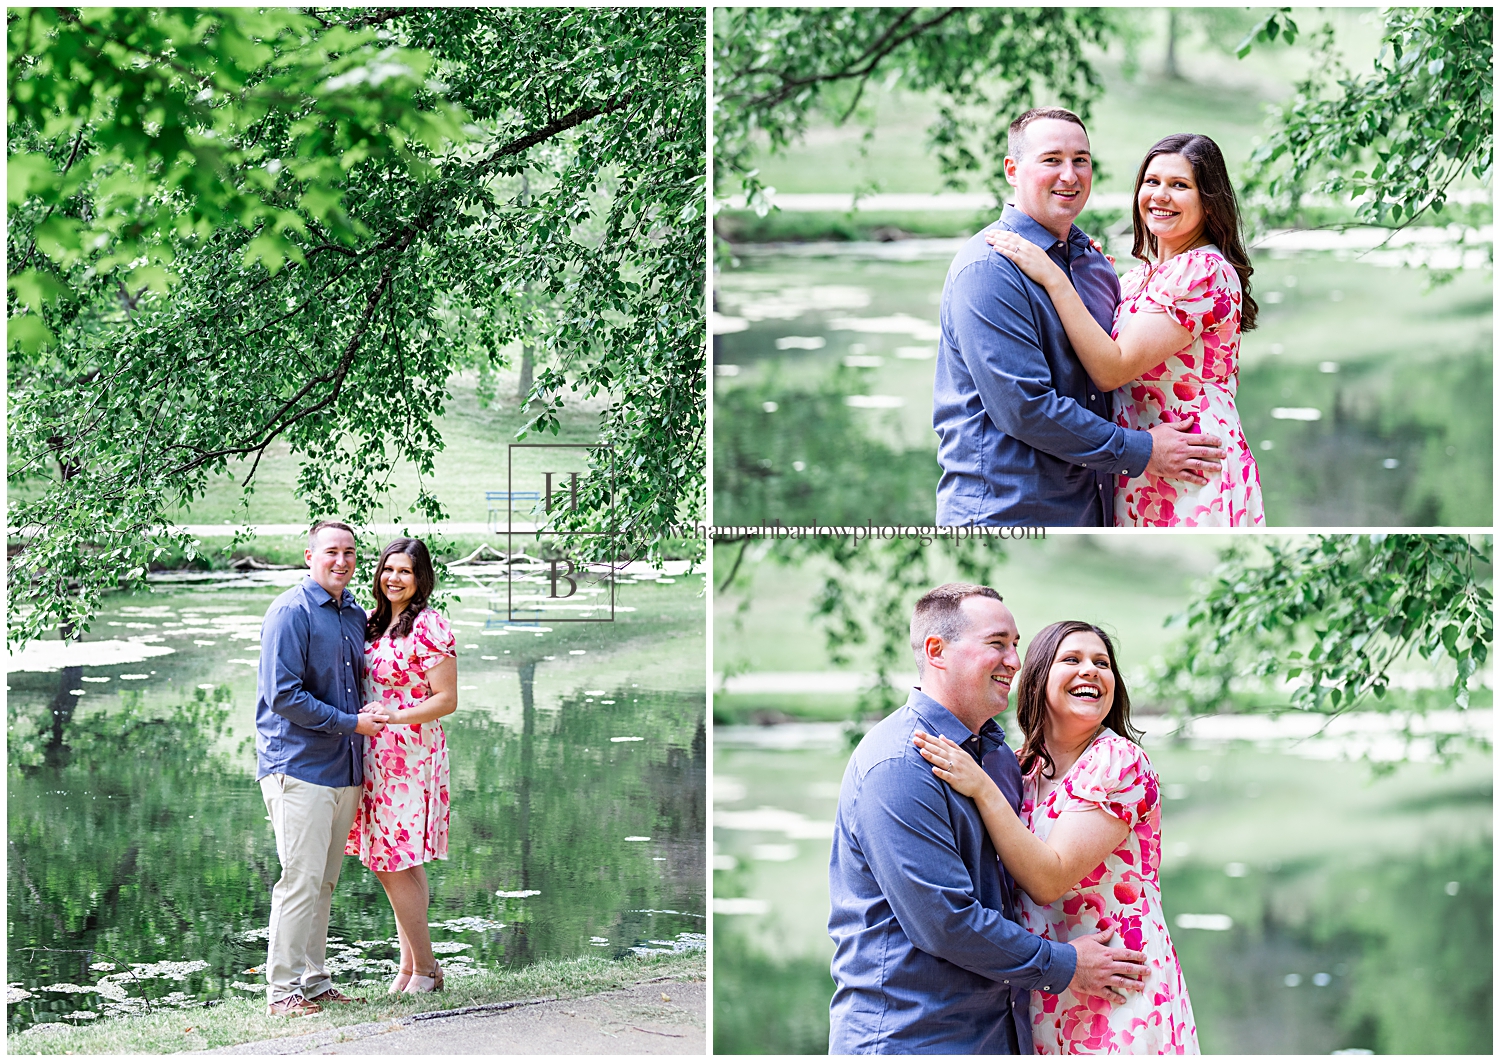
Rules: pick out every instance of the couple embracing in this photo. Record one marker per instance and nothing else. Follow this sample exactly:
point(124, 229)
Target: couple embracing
point(350, 756)
point(1037, 331)
point(976, 893)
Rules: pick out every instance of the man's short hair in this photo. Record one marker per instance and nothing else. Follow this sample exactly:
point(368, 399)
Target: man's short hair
point(1016, 144)
point(312, 535)
point(937, 614)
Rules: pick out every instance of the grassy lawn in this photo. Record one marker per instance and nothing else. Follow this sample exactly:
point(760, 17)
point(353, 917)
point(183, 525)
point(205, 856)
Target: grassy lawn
point(245, 1020)
point(1127, 585)
point(473, 460)
point(1222, 97)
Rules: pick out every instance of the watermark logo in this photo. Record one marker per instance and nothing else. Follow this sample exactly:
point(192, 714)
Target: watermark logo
point(550, 489)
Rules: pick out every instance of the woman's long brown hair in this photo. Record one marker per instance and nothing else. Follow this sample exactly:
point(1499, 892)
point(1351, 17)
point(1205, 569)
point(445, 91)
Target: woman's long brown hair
point(421, 566)
point(1221, 209)
point(1031, 693)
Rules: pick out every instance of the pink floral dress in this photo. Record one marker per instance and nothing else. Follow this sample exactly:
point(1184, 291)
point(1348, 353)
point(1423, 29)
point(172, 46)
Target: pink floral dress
point(1121, 893)
point(403, 812)
point(1201, 290)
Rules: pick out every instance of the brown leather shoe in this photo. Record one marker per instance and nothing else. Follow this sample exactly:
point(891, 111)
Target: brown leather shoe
point(333, 995)
point(292, 1006)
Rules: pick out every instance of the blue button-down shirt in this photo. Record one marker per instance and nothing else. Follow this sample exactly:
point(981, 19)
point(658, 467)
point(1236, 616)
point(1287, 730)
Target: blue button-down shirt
point(1025, 438)
point(928, 958)
point(310, 687)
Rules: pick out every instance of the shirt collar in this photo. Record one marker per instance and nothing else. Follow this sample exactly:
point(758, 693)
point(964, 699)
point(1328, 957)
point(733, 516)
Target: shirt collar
point(946, 724)
point(1023, 224)
point(320, 597)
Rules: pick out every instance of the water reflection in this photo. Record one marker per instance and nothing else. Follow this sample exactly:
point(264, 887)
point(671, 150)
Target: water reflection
point(141, 860)
point(824, 381)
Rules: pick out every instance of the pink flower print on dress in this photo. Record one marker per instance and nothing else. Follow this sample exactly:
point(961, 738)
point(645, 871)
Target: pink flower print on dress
point(1115, 776)
point(403, 816)
point(1201, 291)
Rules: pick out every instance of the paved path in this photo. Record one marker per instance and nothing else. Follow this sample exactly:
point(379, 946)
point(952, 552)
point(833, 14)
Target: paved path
point(654, 1018)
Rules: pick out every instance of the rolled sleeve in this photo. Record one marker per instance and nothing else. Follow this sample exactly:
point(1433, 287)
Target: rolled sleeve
point(906, 833)
point(994, 318)
point(283, 662)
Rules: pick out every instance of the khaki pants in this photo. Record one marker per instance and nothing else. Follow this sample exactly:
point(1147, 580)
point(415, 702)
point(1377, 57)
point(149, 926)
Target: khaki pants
point(312, 823)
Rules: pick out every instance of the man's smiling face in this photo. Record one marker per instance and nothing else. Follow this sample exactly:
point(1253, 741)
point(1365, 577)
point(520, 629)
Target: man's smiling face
point(1053, 177)
point(330, 555)
point(983, 661)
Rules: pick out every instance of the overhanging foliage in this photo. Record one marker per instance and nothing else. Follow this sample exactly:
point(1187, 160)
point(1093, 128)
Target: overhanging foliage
point(246, 228)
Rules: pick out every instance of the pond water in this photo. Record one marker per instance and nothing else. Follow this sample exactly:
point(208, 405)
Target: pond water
point(1314, 907)
point(141, 858)
point(1366, 401)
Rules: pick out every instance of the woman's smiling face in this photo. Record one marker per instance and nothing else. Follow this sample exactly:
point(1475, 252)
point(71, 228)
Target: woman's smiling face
point(398, 581)
point(1169, 202)
point(1081, 684)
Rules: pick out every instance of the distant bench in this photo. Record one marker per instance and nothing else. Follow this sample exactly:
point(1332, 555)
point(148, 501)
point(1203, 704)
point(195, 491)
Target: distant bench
point(504, 501)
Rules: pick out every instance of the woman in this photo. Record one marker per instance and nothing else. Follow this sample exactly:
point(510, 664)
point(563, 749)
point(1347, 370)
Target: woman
point(1176, 340)
point(1087, 844)
point(402, 821)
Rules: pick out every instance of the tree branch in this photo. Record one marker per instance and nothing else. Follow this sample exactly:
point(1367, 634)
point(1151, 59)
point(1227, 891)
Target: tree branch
point(272, 429)
point(381, 16)
point(862, 66)
point(551, 129)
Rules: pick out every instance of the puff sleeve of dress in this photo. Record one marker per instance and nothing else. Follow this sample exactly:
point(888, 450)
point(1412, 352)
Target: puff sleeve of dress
point(431, 640)
point(1197, 288)
point(1113, 775)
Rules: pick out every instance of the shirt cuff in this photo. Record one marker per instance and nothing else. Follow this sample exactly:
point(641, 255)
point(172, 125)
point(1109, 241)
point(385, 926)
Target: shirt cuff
point(1137, 454)
point(1062, 963)
point(345, 723)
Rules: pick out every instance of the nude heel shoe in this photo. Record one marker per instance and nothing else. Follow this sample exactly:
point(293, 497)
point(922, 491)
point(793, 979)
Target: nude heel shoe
point(420, 983)
point(403, 978)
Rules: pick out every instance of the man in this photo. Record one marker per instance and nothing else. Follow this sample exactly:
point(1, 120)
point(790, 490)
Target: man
point(309, 747)
point(1025, 438)
point(928, 956)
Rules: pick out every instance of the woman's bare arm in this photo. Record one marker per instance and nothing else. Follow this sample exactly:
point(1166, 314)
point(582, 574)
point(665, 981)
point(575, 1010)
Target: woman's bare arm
point(1146, 340)
point(1078, 843)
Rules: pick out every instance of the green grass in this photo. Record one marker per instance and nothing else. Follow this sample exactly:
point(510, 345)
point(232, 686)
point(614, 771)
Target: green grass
point(1127, 585)
point(732, 709)
point(1223, 97)
point(786, 226)
point(241, 1021)
point(473, 460)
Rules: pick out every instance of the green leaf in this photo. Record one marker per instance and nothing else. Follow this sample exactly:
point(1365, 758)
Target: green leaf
point(152, 278)
point(267, 249)
point(27, 175)
point(29, 333)
point(36, 289)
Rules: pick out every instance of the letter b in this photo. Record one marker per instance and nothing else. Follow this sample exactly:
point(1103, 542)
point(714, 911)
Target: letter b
point(566, 577)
